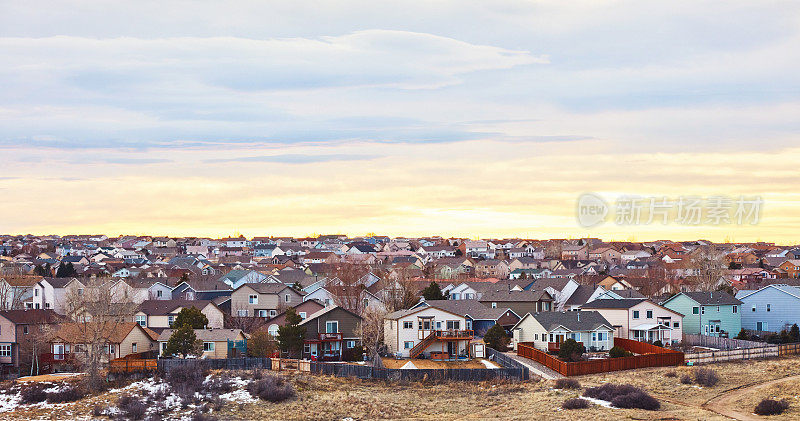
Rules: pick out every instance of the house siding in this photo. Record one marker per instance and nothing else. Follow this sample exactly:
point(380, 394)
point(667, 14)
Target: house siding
point(730, 322)
point(784, 310)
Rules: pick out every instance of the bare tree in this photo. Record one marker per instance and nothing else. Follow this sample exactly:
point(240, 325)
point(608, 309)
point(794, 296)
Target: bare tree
point(370, 329)
point(97, 313)
point(347, 287)
point(706, 266)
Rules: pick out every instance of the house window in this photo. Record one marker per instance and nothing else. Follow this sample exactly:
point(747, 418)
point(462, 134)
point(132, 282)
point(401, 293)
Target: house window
point(242, 313)
point(253, 299)
point(46, 305)
point(453, 324)
point(273, 330)
point(133, 347)
point(635, 314)
point(768, 309)
point(469, 324)
point(208, 346)
point(262, 313)
point(366, 302)
point(717, 309)
point(332, 327)
point(287, 298)
point(302, 315)
point(273, 313)
point(702, 310)
point(351, 344)
point(535, 336)
point(649, 314)
point(5, 350)
point(170, 320)
point(695, 310)
point(159, 293)
point(676, 324)
point(762, 326)
point(408, 325)
point(36, 293)
point(494, 305)
point(754, 308)
point(25, 330)
point(307, 348)
point(408, 344)
point(735, 309)
point(141, 320)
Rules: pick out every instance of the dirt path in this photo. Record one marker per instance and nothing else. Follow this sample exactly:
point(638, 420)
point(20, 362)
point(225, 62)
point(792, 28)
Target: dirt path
point(723, 404)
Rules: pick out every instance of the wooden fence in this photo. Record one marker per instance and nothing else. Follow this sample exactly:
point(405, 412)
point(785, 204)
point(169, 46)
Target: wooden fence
point(728, 349)
point(651, 356)
point(128, 365)
point(720, 342)
point(788, 349)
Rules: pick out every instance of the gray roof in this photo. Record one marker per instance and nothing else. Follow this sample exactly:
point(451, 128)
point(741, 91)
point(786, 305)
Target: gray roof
point(503, 294)
point(713, 298)
point(572, 320)
point(555, 283)
point(581, 295)
point(628, 293)
point(611, 303)
point(472, 308)
point(266, 287)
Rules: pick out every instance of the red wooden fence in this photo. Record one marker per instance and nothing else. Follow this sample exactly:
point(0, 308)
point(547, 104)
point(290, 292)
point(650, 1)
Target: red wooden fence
point(129, 365)
point(650, 356)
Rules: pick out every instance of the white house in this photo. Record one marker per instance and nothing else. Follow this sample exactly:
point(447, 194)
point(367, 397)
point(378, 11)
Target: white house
point(548, 330)
point(640, 319)
point(426, 330)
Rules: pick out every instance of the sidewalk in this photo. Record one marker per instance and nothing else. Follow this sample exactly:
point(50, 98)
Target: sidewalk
point(535, 367)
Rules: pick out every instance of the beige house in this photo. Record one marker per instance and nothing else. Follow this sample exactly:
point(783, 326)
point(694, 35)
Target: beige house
point(640, 319)
point(217, 343)
point(159, 314)
point(122, 339)
point(263, 299)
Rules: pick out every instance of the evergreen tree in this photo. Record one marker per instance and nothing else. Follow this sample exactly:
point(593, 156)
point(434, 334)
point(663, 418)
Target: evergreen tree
point(192, 317)
point(794, 333)
point(433, 292)
point(571, 350)
point(183, 342)
point(290, 335)
point(496, 338)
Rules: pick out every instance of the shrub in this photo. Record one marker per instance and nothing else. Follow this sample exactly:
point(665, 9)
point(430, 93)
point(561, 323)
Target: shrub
point(705, 377)
point(496, 338)
point(355, 353)
point(618, 352)
point(218, 385)
point(271, 388)
point(186, 379)
point(771, 407)
point(671, 373)
point(571, 350)
point(624, 396)
point(575, 403)
point(658, 343)
point(199, 416)
point(131, 407)
point(567, 384)
point(33, 394)
point(98, 410)
point(65, 394)
point(687, 379)
point(637, 400)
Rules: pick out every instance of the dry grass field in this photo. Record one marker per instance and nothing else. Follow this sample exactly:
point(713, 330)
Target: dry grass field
point(330, 398)
point(424, 364)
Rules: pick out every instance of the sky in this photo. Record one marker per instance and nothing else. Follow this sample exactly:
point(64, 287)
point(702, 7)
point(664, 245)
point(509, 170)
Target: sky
point(456, 118)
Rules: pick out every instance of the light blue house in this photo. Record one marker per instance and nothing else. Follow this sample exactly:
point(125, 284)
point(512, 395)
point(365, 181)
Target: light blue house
point(712, 313)
point(772, 308)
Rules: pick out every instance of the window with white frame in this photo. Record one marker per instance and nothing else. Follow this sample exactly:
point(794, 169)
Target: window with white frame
point(351, 344)
point(25, 330)
point(273, 313)
point(735, 309)
point(676, 324)
point(408, 325)
point(133, 347)
point(159, 293)
point(141, 320)
point(287, 298)
point(262, 313)
point(332, 326)
point(635, 314)
point(753, 308)
point(170, 320)
point(649, 314)
point(768, 307)
point(208, 346)
point(302, 315)
point(5, 350)
point(307, 348)
point(242, 313)
point(702, 310)
point(408, 344)
point(253, 299)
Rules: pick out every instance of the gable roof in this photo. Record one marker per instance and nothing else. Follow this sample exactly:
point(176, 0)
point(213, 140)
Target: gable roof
point(715, 298)
point(207, 335)
point(403, 313)
point(69, 332)
point(164, 307)
point(572, 320)
point(472, 308)
point(504, 294)
point(624, 303)
point(32, 316)
point(266, 287)
point(324, 311)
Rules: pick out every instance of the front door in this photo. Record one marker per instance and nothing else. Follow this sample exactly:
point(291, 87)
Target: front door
point(426, 327)
point(451, 349)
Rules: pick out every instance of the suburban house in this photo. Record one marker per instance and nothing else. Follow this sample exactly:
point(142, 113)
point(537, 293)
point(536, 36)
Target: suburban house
point(303, 310)
point(521, 302)
point(640, 319)
point(560, 289)
point(491, 268)
point(479, 318)
point(330, 333)
point(160, 314)
point(429, 331)
point(713, 313)
point(263, 299)
point(17, 328)
point(237, 278)
point(217, 343)
point(352, 296)
point(52, 293)
point(200, 290)
point(547, 331)
point(772, 308)
point(121, 339)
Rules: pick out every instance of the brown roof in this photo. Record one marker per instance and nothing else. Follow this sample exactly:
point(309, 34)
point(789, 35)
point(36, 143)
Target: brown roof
point(72, 332)
point(29, 317)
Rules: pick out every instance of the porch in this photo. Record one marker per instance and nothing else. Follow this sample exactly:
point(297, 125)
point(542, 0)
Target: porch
point(651, 332)
point(326, 347)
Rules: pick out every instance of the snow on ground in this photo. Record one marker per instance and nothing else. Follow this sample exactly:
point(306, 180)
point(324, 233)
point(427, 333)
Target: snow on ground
point(488, 364)
point(9, 402)
point(600, 402)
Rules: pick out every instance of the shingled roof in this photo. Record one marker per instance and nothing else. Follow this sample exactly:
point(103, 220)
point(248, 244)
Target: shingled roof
point(472, 308)
point(572, 320)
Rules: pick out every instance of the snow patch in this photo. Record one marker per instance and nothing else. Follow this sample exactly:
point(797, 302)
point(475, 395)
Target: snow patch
point(488, 364)
point(409, 366)
point(600, 402)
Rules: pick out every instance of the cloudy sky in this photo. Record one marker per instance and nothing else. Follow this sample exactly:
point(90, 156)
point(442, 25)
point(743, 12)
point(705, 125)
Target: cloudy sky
point(403, 118)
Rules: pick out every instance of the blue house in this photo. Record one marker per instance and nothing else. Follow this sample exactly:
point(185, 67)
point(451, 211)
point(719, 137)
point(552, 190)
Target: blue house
point(478, 316)
point(772, 308)
point(710, 313)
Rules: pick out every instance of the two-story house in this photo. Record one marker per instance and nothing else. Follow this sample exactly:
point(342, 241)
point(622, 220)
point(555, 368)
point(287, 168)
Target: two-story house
point(160, 314)
point(330, 333)
point(521, 302)
point(712, 313)
point(263, 299)
point(772, 308)
point(430, 331)
point(17, 330)
point(640, 319)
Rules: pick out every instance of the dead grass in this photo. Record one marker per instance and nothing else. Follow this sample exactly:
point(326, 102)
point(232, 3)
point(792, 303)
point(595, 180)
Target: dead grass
point(51, 377)
point(788, 390)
